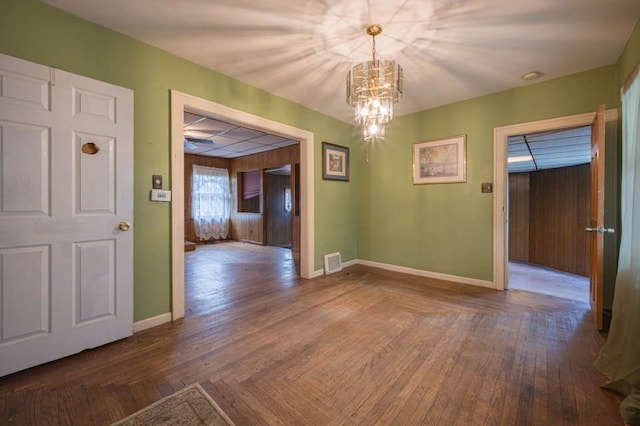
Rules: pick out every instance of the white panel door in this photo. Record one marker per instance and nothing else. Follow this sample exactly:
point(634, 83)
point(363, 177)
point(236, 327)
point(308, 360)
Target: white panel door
point(66, 177)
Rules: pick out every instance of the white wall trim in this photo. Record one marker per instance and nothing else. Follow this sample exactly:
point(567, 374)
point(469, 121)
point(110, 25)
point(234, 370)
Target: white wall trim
point(180, 101)
point(500, 180)
point(427, 274)
point(151, 322)
point(349, 263)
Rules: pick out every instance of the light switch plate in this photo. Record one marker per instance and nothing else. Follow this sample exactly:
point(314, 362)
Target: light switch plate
point(160, 195)
point(156, 181)
point(487, 187)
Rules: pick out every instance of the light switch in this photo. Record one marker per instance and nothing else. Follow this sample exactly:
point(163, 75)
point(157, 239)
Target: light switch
point(487, 187)
point(156, 181)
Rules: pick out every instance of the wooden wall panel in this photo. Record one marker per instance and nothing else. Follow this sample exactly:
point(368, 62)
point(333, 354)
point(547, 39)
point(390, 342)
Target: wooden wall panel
point(189, 161)
point(250, 226)
point(559, 210)
point(519, 216)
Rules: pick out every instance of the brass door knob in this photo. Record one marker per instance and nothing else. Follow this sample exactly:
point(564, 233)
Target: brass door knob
point(124, 226)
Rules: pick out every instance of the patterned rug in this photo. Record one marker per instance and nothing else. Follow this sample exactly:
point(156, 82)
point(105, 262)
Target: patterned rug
point(189, 406)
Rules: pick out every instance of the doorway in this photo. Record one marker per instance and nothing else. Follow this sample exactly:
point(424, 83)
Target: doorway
point(278, 206)
point(179, 104)
point(500, 199)
point(548, 211)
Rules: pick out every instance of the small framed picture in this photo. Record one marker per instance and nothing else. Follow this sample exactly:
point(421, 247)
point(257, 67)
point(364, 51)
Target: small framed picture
point(335, 162)
point(440, 161)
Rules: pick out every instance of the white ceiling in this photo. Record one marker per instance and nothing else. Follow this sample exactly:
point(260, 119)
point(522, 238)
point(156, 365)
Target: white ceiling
point(450, 49)
point(550, 150)
point(215, 138)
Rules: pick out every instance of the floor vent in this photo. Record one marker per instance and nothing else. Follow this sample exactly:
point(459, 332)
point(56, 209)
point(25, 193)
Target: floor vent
point(332, 263)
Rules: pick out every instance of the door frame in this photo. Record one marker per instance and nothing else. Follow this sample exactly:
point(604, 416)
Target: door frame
point(180, 101)
point(501, 178)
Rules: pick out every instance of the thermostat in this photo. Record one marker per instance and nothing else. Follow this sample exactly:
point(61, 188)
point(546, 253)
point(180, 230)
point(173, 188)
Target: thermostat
point(160, 195)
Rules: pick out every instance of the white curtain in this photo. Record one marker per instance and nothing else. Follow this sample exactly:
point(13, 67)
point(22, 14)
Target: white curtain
point(620, 357)
point(210, 202)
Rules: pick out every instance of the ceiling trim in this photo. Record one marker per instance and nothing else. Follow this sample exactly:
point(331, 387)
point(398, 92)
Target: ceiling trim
point(180, 102)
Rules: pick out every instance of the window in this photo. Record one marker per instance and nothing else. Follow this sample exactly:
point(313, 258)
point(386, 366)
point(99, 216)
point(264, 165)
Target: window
point(249, 194)
point(210, 201)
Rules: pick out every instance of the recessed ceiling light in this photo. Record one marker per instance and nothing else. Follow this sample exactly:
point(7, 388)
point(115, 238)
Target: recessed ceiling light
point(532, 75)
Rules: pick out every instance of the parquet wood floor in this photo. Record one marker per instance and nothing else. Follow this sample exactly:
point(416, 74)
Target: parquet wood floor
point(363, 346)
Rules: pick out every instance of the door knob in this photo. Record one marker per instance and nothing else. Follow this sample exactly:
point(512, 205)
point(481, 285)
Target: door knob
point(600, 230)
point(124, 226)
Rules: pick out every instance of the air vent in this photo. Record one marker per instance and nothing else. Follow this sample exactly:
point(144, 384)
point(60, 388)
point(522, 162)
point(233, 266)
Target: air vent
point(332, 263)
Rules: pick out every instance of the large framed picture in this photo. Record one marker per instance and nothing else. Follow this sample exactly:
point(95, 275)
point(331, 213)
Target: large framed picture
point(440, 161)
point(335, 162)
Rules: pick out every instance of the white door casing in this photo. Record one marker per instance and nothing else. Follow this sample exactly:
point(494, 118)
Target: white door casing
point(66, 182)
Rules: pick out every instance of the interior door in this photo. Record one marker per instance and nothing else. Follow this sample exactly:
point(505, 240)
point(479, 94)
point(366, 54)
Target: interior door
point(66, 203)
point(596, 217)
point(277, 186)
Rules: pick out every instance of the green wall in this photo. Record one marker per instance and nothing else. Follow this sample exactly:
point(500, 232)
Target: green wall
point(380, 215)
point(630, 57)
point(36, 32)
point(448, 228)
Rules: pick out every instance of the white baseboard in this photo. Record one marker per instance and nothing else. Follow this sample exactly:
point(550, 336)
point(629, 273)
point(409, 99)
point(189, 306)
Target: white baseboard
point(151, 322)
point(428, 274)
point(349, 263)
point(412, 271)
point(320, 272)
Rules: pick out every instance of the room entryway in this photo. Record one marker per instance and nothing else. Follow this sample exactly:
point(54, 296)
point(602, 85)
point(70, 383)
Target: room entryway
point(252, 150)
point(548, 212)
point(587, 222)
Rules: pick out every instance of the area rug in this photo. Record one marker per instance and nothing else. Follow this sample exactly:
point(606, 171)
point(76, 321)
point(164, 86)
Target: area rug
point(189, 406)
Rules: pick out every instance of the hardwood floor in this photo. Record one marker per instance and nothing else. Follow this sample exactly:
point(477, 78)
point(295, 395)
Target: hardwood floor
point(363, 346)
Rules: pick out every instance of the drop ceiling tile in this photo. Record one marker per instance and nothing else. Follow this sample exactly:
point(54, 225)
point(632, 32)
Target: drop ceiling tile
point(243, 146)
point(269, 139)
point(262, 148)
point(286, 142)
point(218, 153)
point(212, 126)
point(222, 141)
point(242, 133)
point(197, 150)
point(196, 134)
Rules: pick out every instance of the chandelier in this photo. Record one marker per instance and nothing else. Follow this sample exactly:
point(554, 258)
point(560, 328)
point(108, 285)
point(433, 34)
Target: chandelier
point(373, 87)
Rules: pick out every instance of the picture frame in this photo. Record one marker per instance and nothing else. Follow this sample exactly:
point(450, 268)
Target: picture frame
point(335, 162)
point(440, 161)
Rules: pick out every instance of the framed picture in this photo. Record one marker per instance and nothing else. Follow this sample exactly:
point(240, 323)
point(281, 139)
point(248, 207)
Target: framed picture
point(335, 162)
point(440, 161)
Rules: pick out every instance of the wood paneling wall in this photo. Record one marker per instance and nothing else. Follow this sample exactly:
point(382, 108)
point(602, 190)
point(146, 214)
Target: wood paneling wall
point(189, 161)
point(557, 207)
point(519, 216)
point(250, 226)
point(559, 211)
